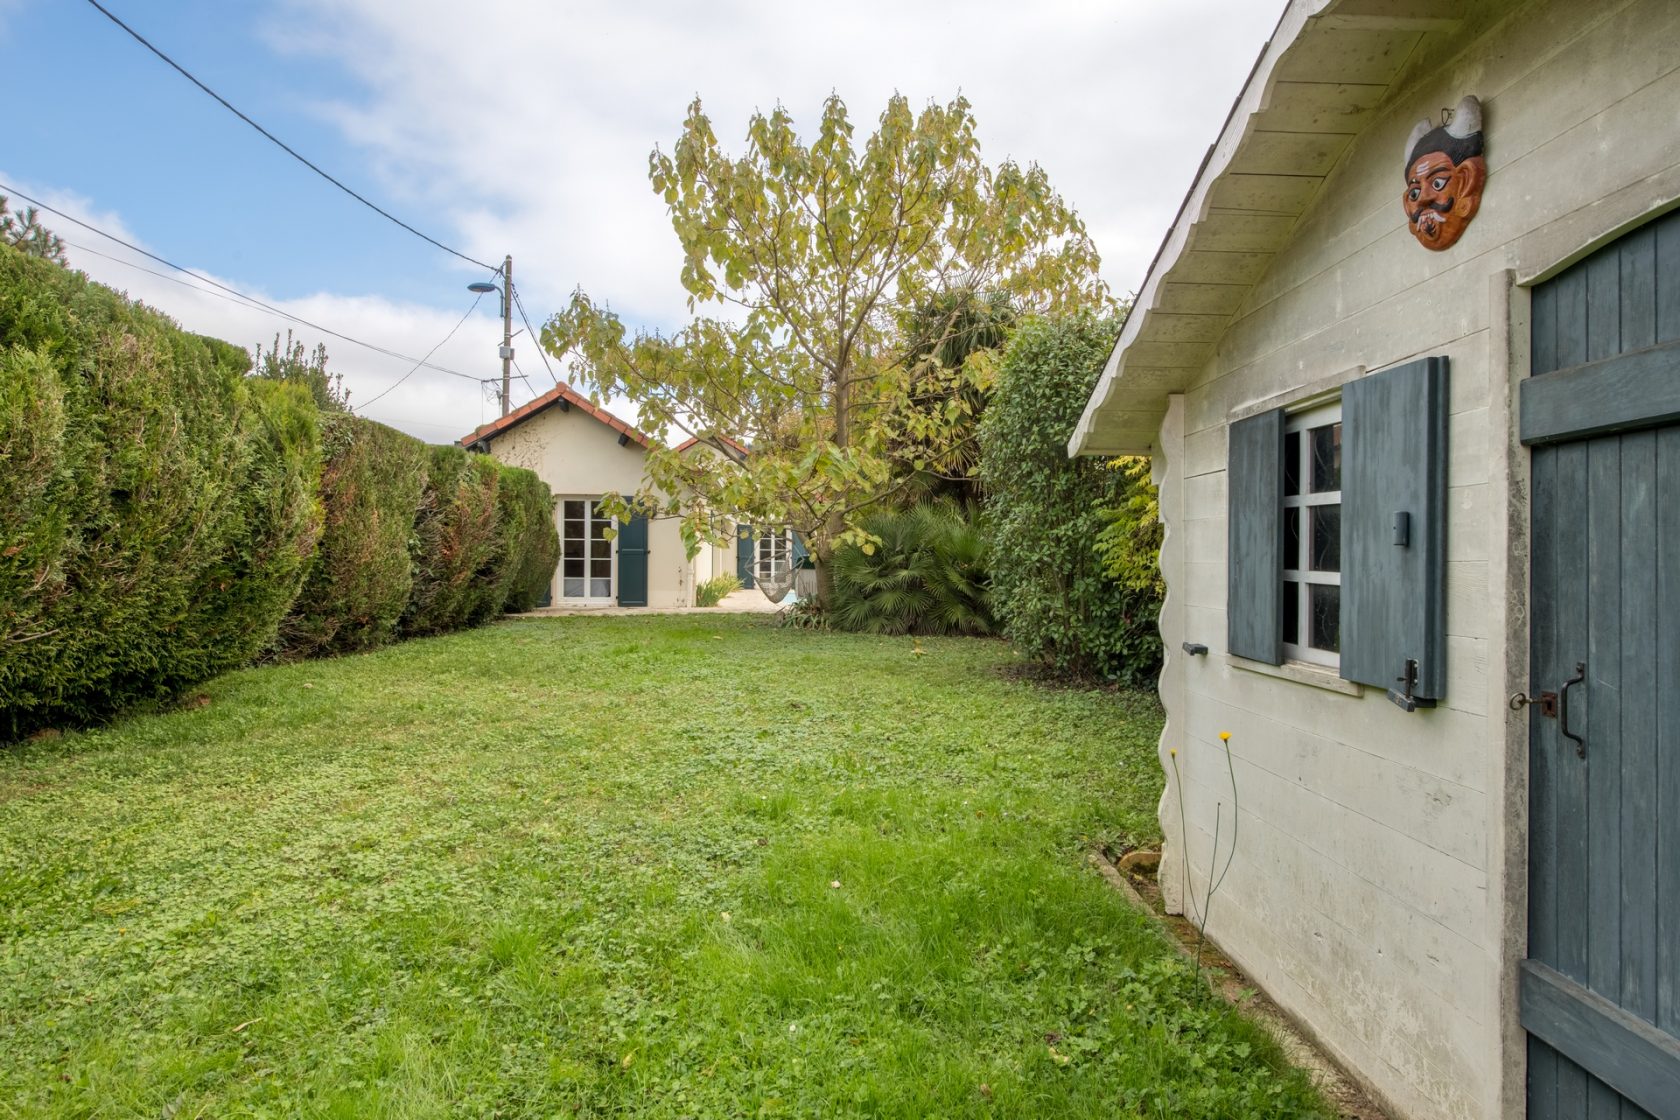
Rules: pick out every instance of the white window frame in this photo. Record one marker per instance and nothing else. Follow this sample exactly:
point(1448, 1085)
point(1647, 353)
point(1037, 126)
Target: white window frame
point(767, 543)
point(560, 596)
point(1316, 416)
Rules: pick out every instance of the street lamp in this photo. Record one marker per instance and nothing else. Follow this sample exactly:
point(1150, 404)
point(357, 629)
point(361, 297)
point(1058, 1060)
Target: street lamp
point(485, 287)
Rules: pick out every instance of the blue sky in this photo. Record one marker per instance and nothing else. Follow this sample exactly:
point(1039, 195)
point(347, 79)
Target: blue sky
point(506, 127)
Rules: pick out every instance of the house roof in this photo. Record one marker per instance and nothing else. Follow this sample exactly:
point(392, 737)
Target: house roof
point(1319, 81)
point(562, 395)
point(694, 441)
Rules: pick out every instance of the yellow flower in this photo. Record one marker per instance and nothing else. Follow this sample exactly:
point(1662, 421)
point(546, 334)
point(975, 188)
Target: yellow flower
point(1173, 751)
point(1224, 736)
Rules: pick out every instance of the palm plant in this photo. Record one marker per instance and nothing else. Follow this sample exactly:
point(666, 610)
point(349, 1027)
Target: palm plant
point(925, 575)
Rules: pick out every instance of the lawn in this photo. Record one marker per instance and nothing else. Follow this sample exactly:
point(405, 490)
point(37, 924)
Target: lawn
point(691, 866)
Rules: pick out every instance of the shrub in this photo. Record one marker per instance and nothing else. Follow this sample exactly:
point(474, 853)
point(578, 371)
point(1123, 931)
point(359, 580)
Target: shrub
point(1044, 511)
point(128, 517)
point(530, 548)
point(712, 592)
point(455, 544)
point(927, 575)
point(243, 598)
point(371, 481)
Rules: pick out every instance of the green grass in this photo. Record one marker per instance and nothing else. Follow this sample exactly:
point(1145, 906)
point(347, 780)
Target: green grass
point(587, 868)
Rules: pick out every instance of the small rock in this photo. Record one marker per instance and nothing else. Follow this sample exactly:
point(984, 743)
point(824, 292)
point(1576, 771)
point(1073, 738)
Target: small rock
point(1140, 862)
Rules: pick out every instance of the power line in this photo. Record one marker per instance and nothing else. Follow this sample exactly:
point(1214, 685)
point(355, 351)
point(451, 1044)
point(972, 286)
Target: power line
point(429, 353)
point(541, 353)
point(281, 144)
point(249, 299)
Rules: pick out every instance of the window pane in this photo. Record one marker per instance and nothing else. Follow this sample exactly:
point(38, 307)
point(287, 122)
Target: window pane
point(574, 546)
point(598, 529)
point(1292, 538)
point(1292, 613)
point(573, 588)
point(600, 588)
point(574, 510)
point(1326, 452)
point(1292, 464)
point(574, 566)
point(1327, 538)
point(1325, 622)
point(601, 567)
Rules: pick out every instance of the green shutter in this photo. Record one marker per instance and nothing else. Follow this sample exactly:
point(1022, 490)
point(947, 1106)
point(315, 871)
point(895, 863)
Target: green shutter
point(1254, 487)
point(1394, 528)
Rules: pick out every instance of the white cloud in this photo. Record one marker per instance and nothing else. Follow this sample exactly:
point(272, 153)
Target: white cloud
point(524, 128)
point(528, 126)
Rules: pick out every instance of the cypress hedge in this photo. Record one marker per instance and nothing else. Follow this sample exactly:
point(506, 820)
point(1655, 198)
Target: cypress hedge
point(356, 591)
point(127, 431)
point(455, 545)
point(164, 517)
point(529, 549)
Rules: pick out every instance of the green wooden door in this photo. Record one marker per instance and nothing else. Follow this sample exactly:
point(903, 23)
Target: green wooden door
point(1600, 990)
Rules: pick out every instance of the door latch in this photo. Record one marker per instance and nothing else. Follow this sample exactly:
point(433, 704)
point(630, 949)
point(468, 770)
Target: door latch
point(1405, 697)
point(1547, 702)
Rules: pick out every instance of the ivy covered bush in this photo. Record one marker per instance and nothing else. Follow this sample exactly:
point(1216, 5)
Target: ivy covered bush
point(1045, 513)
point(165, 516)
point(926, 575)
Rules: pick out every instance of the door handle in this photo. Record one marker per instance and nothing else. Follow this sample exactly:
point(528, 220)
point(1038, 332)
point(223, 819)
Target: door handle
point(1580, 677)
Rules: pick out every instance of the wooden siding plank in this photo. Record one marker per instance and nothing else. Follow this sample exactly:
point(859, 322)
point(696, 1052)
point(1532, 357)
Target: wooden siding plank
point(1604, 304)
point(1640, 686)
point(1667, 808)
point(1543, 1064)
point(1595, 711)
point(1570, 609)
point(1543, 762)
point(1668, 278)
point(1639, 1061)
point(1620, 393)
point(1254, 558)
point(1638, 265)
point(1571, 295)
point(1543, 325)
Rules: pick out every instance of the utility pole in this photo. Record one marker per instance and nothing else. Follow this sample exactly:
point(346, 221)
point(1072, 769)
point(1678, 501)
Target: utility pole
point(507, 331)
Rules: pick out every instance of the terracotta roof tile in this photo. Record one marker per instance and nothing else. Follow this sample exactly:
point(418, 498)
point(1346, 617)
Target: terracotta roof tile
point(556, 395)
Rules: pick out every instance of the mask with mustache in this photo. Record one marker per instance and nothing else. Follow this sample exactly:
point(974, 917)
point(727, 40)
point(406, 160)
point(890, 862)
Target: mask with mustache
point(1445, 173)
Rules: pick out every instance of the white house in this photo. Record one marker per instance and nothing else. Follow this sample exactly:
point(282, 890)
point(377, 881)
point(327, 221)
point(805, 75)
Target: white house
point(1408, 366)
point(584, 452)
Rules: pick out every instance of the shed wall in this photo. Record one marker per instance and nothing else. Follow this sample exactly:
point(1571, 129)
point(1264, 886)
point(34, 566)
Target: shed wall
point(1369, 892)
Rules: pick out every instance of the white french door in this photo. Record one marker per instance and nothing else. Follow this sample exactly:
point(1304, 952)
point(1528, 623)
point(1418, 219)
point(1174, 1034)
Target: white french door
point(586, 555)
point(773, 554)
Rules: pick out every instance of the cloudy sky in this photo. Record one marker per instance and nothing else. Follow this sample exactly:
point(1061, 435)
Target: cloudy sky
point(501, 126)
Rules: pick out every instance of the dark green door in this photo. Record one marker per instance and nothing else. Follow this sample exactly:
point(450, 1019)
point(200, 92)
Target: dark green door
point(633, 562)
point(1600, 990)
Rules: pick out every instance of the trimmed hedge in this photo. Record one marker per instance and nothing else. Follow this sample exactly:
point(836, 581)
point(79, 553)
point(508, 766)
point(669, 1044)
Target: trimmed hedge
point(529, 547)
point(455, 546)
point(1045, 512)
point(124, 461)
point(164, 517)
point(360, 583)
